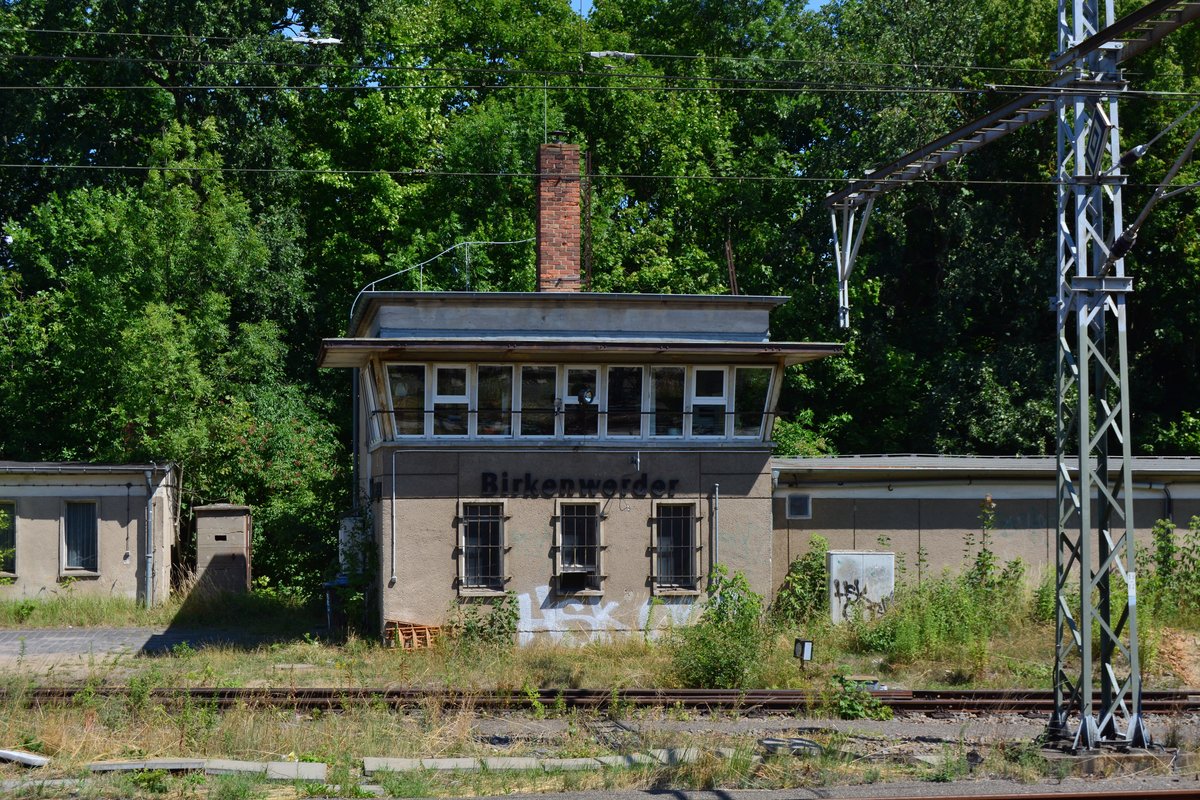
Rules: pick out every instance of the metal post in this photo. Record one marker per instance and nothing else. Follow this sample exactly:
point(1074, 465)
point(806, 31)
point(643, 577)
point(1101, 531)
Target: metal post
point(1093, 410)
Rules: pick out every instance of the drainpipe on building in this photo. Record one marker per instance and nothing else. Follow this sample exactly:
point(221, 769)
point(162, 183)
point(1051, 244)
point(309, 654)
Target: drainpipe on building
point(392, 580)
point(149, 593)
point(716, 524)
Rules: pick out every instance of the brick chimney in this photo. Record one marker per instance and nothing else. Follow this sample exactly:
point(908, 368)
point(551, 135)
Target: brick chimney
point(558, 218)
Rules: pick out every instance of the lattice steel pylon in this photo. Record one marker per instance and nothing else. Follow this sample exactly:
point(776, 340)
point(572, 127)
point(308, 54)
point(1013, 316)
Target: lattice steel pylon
point(1096, 645)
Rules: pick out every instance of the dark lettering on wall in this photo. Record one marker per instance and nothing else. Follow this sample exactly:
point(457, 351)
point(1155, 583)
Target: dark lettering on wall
point(527, 486)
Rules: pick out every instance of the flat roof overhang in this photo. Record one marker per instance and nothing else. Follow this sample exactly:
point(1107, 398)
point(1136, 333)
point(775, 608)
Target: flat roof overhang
point(356, 352)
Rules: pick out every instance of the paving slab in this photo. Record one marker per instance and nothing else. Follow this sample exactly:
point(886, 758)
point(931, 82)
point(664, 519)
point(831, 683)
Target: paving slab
point(24, 758)
point(451, 763)
point(675, 756)
point(116, 766)
point(512, 762)
point(373, 765)
point(629, 762)
point(295, 771)
point(570, 764)
point(226, 766)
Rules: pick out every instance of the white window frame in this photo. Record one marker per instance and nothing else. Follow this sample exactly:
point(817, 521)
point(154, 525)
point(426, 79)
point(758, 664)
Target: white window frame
point(787, 505)
point(5, 501)
point(557, 546)
point(66, 571)
point(691, 400)
point(426, 417)
point(568, 401)
point(436, 399)
point(643, 402)
point(732, 388)
point(697, 548)
point(461, 548)
point(519, 402)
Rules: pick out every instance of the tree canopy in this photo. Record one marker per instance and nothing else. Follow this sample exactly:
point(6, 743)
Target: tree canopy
point(190, 199)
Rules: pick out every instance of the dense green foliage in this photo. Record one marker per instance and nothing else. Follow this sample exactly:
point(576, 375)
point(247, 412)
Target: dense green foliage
point(198, 207)
point(725, 648)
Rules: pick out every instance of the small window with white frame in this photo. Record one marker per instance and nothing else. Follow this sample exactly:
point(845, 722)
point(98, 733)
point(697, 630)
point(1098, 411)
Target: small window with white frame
point(675, 551)
point(799, 506)
point(578, 549)
point(581, 410)
point(8, 538)
point(481, 548)
point(451, 400)
point(708, 402)
point(80, 537)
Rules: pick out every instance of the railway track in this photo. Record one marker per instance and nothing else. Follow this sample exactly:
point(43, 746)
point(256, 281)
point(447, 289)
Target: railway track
point(912, 702)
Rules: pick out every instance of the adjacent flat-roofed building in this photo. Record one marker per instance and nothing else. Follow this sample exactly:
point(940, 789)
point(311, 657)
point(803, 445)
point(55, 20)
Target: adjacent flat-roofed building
point(588, 452)
point(925, 507)
point(100, 529)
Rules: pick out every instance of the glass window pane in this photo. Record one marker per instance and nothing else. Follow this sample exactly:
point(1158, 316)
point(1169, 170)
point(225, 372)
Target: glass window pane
point(708, 420)
point(750, 400)
point(580, 412)
point(8, 537)
point(495, 401)
point(81, 536)
point(625, 401)
point(408, 398)
point(710, 383)
point(452, 381)
point(450, 419)
point(667, 401)
point(537, 400)
point(579, 547)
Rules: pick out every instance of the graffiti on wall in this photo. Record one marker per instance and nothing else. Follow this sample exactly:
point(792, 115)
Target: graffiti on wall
point(860, 583)
point(543, 614)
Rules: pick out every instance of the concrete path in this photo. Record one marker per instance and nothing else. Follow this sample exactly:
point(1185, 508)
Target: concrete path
point(47, 644)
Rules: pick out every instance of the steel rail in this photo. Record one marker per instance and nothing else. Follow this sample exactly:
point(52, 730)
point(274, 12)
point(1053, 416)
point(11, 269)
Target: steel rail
point(766, 700)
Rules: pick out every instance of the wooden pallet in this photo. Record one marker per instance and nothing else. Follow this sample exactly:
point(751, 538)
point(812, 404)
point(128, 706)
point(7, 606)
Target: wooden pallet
point(409, 635)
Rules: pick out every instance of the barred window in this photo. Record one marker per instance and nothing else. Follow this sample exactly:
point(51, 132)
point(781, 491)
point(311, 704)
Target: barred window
point(675, 548)
point(481, 547)
point(579, 548)
point(80, 533)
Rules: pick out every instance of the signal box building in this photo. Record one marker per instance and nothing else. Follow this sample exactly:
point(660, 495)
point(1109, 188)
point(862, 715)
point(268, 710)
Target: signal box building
point(595, 454)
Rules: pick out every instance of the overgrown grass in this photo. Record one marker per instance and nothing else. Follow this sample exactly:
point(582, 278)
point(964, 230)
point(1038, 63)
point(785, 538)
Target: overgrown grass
point(263, 611)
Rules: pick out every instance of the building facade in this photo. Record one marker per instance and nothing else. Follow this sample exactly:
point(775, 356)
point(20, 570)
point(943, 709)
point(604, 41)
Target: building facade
point(95, 529)
point(594, 454)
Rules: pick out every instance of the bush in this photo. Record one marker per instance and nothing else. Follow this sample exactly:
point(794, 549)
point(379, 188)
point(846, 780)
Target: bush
point(471, 628)
point(804, 594)
point(725, 648)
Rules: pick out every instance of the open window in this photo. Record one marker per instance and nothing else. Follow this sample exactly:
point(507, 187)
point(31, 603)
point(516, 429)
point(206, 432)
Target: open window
point(675, 551)
point(481, 548)
point(80, 537)
point(578, 549)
